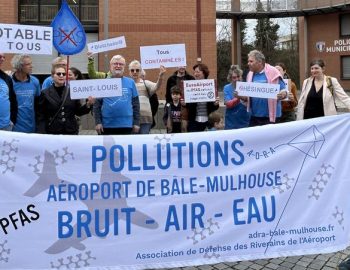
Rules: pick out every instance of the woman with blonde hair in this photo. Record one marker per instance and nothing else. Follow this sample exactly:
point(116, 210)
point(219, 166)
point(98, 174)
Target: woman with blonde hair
point(236, 115)
point(145, 89)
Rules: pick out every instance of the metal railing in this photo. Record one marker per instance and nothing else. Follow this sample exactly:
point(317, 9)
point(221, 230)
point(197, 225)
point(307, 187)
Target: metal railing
point(277, 5)
point(30, 13)
point(251, 5)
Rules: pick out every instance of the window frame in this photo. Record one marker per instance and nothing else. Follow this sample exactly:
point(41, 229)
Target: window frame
point(344, 27)
point(89, 26)
point(343, 77)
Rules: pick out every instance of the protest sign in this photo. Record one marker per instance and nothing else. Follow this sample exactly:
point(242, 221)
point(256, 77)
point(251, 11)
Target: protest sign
point(259, 90)
point(107, 45)
point(95, 88)
point(288, 83)
point(165, 55)
point(199, 91)
point(27, 39)
point(69, 36)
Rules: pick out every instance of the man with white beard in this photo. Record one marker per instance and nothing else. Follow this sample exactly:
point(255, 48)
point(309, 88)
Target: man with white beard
point(118, 115)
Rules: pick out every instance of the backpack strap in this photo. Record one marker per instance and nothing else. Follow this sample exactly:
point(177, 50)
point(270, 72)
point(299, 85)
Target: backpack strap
point(330, 84)
point(331, 89)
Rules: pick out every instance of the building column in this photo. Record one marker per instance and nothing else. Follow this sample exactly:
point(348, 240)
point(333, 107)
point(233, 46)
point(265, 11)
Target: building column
point(303, 48)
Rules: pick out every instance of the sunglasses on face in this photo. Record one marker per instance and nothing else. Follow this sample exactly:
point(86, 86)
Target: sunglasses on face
point(61, 74)
point(135, 70)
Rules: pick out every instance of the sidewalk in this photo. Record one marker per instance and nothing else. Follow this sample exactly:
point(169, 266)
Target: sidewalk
point(311, 262)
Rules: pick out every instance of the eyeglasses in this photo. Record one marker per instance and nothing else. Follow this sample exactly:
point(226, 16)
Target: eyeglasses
point(118, 64)
point(135, 70)
point(2, 57)
point(61, 74)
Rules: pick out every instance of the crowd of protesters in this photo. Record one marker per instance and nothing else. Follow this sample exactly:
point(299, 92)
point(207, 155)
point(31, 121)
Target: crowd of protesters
point(31, 108)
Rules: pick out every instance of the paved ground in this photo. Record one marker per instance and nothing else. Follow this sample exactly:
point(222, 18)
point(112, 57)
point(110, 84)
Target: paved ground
point(310, 262)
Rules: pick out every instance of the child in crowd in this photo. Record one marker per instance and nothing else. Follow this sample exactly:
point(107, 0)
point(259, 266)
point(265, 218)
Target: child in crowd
point(172, 112)
point(215, 121)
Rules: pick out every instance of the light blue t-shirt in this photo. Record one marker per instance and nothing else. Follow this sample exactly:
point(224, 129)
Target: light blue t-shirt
point(47, 83)
point(4, 104)
point(26, 92)
point(259, 106)
point(117, 112)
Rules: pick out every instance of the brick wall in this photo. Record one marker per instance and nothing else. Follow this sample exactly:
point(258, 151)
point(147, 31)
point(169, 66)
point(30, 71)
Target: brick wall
point(322, 28)
point(8, 14)
point(158, 22)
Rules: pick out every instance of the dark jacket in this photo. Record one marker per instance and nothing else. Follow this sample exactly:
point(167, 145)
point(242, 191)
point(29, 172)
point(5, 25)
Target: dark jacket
point(175, 80)
point(65, 122)
point(192, 109)
point(12, 96)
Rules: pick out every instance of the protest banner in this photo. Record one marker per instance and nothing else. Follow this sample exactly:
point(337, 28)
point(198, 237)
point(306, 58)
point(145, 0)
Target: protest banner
point(107, 45)
point(166, 55)
point(259, 90)
point(199, 91)
point(174, 200)
point(95, 88)
point(27, 39)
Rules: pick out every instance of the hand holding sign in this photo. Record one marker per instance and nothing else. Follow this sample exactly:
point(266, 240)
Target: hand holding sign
point(166, 55)
point(162, 70)
point(68, 33)
point(107, 45)
point(259, 90)
point(200, 91)
point(25, 39)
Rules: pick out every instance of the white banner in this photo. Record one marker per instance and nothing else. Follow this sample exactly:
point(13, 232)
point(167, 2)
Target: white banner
point(171, 200)
point(95, 88)
point(260, 90)
point(107, 45)
point(199, 91)
point(166, 55)
point(28, 39)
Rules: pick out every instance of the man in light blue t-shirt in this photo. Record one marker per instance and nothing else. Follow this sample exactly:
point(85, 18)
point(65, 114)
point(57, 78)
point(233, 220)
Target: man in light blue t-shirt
point(27, 89)
point(264, 111)
point(118, 115)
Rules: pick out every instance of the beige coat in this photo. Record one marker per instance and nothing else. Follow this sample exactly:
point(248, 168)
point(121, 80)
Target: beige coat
point(328, 100)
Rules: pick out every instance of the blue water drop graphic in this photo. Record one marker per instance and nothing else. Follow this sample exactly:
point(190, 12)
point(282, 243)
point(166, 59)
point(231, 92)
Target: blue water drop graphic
point(68, 33)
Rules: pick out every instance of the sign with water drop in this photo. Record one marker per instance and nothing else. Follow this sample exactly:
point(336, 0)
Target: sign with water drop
point(68, 33)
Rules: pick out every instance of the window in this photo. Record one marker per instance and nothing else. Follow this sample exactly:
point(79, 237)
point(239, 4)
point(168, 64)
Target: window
point(345, 24)
point(345, 67)
point(42, 12)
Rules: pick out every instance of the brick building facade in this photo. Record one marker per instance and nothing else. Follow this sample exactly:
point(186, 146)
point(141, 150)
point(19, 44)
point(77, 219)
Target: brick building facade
point(320, 36)
point(193, 22)
point(146, 23)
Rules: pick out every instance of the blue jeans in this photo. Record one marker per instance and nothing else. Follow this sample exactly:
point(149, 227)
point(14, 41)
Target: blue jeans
point(8, 128)
point(145, 128)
